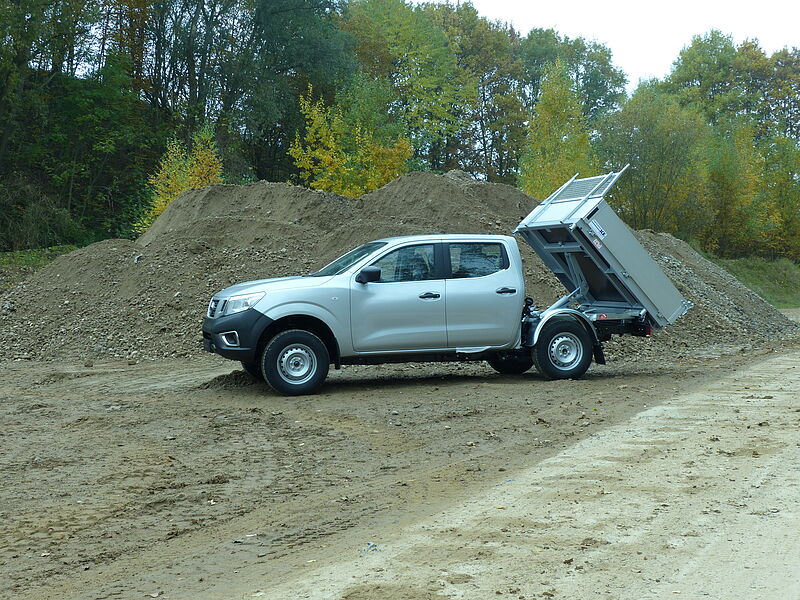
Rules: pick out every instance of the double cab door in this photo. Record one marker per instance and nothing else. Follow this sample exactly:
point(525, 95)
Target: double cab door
point(438, 296)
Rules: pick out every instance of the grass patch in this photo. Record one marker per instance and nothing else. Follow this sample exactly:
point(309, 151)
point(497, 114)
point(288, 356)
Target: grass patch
point(777, 281)
point(36, 258)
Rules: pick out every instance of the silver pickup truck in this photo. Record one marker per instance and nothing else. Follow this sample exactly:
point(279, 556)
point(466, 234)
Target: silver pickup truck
point(453, 298)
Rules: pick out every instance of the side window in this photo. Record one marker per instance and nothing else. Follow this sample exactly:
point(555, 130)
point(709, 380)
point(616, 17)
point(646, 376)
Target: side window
point(475, 259)
point(412, 263)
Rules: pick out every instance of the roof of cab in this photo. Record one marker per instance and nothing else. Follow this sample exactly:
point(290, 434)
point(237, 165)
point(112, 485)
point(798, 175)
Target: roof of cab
point(446, 237)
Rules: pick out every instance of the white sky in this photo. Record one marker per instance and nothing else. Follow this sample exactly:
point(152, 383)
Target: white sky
point(646, 37)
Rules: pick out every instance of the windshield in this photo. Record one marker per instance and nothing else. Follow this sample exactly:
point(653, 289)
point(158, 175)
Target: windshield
point(341, 264)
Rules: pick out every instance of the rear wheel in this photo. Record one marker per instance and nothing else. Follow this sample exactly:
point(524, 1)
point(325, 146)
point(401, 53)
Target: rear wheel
point(295, 362)
point(563, 350)
point(511, 364)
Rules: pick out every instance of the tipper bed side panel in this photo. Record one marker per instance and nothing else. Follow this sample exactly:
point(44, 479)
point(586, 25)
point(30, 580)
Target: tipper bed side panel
point(632, 264)
point(590, 249)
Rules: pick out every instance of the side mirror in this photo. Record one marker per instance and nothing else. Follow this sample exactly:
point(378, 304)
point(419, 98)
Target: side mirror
point(368, 274)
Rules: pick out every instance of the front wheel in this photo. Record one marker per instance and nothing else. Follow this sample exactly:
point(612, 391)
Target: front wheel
point(295, 362)
point(563, 350)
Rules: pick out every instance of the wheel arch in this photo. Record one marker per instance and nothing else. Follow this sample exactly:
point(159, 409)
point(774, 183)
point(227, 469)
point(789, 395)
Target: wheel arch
point(566, 313)
point(309, 323)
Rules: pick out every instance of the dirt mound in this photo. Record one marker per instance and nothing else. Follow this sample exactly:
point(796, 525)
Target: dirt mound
point(727, 315)
point(230, 381)
point(147, 298)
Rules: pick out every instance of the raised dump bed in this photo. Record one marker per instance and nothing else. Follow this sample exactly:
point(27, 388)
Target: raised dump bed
point(596, 256)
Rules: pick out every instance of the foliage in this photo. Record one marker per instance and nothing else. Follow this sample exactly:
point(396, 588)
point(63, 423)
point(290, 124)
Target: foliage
point(599, 84)
point(179, 171)
point(36, 258)
point(490, 140)
point(663, 143)
point(725, 81)
point(782, 197)
point(31, 219)
point(91, 92)
point(85, 146)
point(401, 44)
point(558, 137)
point(347, 153)
point(734, 180)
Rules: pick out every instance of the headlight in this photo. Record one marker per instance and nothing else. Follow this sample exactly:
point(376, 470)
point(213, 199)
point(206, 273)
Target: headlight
point(237, 304)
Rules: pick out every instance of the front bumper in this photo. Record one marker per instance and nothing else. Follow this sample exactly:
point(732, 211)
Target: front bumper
point(221, 335)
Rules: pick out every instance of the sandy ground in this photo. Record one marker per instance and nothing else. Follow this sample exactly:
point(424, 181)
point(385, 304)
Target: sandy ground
point(177, 479)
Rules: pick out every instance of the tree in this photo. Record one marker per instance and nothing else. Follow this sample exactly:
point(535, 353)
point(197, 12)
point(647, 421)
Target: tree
point(345, 151)
point(781, 233)
point(723, 80)
point(783, 96)
point(179, 171)
point(701, 76)
point(734, 172)
point(491, 138)
point(558, 137)
point(664, 144)
point(598, 82)
point(402, 45)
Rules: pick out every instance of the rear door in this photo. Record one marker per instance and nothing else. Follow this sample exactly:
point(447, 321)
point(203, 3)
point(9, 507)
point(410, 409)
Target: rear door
point(484, 296)
point(405, 309)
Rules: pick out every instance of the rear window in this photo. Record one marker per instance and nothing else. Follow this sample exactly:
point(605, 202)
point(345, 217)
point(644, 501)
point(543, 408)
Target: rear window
point(476, 259)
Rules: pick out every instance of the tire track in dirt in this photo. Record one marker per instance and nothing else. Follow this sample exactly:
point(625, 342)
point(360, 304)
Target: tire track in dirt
point(694, 498)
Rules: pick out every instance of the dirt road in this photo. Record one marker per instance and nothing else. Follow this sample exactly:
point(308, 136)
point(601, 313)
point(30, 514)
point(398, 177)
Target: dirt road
point(176, 480)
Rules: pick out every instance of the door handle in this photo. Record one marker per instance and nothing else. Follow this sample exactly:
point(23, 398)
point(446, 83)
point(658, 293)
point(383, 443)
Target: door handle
point(429, 295)
point(506, 290)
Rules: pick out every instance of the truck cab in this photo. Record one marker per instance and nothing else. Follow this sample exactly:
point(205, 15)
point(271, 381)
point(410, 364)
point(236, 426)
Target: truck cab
point(424, 297)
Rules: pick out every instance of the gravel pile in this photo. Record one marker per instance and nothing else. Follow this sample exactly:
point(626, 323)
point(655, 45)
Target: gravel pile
point(146, 299)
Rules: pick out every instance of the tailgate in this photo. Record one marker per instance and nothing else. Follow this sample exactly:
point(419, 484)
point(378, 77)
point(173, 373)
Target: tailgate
point(596, 256)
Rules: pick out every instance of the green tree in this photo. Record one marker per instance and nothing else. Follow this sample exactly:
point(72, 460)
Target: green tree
point(664, 144)
point(781, 208)
point(723, 80)
point(734, 170)
point(401, 44)
point(558, 137)
point(589, 64)
point(702, 75)
point(86, 144)
point(783, 96)
point(491, 138)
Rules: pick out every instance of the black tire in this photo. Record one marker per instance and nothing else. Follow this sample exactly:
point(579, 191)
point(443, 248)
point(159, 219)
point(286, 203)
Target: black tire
point(511, 364)
point(253, 369)
point(295, 362)
point(563, 350)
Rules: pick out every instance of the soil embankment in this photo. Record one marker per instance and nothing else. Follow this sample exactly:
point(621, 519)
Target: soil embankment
point(146, 299)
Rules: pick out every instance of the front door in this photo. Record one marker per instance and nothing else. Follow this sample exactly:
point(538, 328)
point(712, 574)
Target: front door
point(404, 310)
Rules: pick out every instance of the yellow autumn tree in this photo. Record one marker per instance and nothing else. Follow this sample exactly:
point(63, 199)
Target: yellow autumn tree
point(204, 166)
point(344, 157)
point(179, 171)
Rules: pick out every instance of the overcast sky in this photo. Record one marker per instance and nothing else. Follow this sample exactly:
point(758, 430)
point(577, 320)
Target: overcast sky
point(646, 37)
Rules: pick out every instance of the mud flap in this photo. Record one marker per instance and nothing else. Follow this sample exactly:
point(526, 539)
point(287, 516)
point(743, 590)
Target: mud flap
point(599, 357)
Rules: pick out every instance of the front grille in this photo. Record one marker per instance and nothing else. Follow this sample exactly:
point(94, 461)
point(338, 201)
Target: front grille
point(212, 307)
